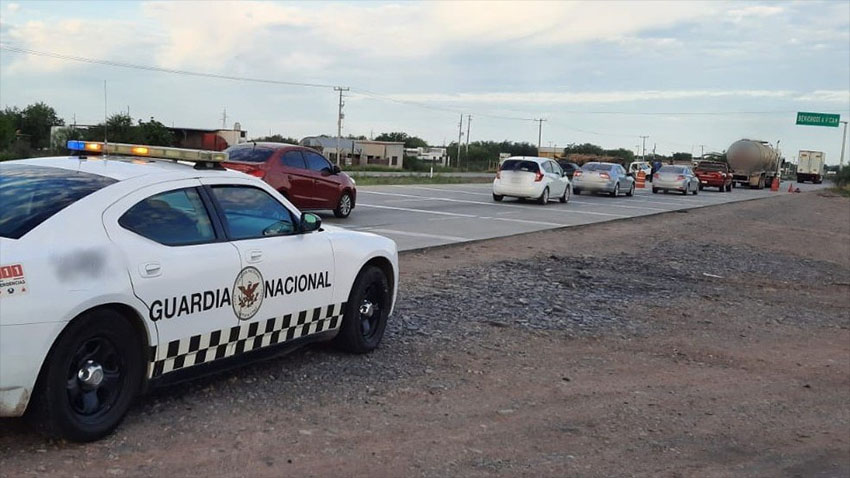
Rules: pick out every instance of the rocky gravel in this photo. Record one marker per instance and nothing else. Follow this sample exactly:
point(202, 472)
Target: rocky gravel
point(613, 350)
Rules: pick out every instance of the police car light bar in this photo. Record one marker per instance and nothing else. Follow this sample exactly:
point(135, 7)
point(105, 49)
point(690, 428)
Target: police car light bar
point(159, 152)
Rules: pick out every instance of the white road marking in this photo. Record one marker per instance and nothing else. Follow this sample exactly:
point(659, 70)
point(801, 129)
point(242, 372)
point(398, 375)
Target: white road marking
point(464, 201)
point(443, 213)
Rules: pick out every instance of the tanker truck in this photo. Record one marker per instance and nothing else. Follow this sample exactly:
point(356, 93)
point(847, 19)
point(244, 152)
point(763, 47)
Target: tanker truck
point(753, 163)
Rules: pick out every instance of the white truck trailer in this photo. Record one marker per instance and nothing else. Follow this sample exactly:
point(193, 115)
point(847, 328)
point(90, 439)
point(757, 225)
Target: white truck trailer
point(810, 166)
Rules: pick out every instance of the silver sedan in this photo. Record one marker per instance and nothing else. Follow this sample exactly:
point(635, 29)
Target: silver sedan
point(675, 178)
point(603, 177)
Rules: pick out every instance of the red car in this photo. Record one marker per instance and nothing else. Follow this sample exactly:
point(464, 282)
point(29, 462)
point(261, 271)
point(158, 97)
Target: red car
point(714, 174)
point(301, 174)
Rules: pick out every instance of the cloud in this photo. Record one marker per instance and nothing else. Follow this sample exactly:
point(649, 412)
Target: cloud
point(73, 37)
point(12, 7)
point(739, 14)
point(604, 97)
point(826, 96)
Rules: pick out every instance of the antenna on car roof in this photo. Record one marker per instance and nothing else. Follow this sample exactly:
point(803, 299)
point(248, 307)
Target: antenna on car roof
point(105, 120)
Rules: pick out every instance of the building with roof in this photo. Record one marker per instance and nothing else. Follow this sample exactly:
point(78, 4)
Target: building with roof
point(358, 152)
point(438, 156)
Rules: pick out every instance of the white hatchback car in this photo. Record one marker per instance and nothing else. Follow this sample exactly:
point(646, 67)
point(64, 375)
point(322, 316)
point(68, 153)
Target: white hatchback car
point(529, 177)
point(123, 271)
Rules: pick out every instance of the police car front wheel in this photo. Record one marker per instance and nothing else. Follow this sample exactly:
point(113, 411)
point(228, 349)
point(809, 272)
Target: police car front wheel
point(90, 378)
point(365, 312)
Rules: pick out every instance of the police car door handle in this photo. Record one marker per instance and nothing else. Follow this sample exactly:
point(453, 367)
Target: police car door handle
point(255, 256)
point(151, 269)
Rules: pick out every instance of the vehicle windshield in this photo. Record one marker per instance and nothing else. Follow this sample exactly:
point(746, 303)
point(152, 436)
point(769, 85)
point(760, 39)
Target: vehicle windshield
point(248, 154)
point(520, 165)
point(672, 169)
point(32, 194)
point(711, 167)
point(597, 167)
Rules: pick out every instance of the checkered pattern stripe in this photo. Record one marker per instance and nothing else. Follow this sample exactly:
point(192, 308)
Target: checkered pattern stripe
point(218, 344)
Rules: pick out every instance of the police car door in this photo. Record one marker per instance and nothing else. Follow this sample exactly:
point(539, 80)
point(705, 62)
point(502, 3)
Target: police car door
point(285, 287)
point(182, 267)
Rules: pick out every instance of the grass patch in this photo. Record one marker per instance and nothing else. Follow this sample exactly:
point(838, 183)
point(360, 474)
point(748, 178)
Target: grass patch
point(841, 190)
point(437, 179)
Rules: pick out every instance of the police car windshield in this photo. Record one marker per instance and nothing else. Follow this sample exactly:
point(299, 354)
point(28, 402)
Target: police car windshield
point(32, 194)
point(248, 154)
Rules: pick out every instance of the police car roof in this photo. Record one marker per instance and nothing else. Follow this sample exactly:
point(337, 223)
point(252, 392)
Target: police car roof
point(124, 167)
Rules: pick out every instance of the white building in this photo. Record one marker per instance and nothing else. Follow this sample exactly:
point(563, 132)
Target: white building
point(438, 156)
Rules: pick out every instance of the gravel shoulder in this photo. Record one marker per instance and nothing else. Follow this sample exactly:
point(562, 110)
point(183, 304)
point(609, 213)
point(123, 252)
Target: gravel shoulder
point(710, 342)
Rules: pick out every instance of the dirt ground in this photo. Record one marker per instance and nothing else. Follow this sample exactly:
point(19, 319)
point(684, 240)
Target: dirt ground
point(713, 342)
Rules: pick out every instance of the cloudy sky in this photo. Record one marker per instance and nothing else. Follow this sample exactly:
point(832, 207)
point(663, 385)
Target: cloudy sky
point(684, 73)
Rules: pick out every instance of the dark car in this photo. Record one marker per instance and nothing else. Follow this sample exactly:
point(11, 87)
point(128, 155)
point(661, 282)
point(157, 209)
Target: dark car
point(302, 175)
point(569, 168)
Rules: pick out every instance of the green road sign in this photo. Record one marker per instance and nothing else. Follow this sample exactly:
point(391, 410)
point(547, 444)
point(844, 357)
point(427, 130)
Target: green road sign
point(818, 119)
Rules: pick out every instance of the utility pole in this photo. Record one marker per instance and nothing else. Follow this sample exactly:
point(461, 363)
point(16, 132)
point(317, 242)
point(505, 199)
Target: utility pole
point(224, 119)
point(339, 118)
point(843, 140)
point(701, 151)
point(459, 139)
point(468, 122)
point(643, 148)
point(539, 133)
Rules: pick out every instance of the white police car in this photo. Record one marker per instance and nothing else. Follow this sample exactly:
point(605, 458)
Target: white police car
point(120, 269)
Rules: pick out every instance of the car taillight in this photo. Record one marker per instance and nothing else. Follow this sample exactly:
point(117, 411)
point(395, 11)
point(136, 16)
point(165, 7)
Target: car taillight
point(604, 175)
point(257, 173)
point(577, 174)
point(681, 178)
point(538, 176)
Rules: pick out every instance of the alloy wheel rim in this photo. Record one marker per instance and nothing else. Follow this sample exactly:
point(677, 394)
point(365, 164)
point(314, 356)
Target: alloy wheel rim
point(345, 204)
point(370, 312)
point(95, 378)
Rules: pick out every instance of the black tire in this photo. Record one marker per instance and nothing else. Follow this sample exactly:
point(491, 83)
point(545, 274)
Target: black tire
point(616, 191)
point(654, 190)
point(544, 196)
point(696, 191)
point(566, 196)
point(577, 192)
point(361, 329)
point(498, 197)
point(64, 405)
point(631, 191)
point(344, 206)
point(700, 187)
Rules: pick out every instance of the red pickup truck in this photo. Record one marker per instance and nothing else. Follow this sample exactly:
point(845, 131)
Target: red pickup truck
point(714, 174)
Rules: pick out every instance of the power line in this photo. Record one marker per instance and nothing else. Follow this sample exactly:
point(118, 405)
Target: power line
point(136, 66)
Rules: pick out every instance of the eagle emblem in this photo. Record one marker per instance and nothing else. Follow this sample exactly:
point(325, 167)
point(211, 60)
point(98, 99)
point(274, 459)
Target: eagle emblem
point(248, 293)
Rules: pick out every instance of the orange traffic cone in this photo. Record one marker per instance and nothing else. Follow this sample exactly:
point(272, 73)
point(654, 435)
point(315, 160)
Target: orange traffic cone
point(774, 186)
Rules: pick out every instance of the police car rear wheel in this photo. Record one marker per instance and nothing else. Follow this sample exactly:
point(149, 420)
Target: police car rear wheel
point(90, 378)
point(366, 312)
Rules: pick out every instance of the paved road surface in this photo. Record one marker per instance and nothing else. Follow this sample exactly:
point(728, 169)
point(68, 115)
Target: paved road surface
point(431, 215)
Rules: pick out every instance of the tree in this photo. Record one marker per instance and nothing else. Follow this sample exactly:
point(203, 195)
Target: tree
point(402, 137)
point(36, 121)
point(683, 157)
point(155, 133)
point(586, 148)
point(10, 121)
point(276, 138)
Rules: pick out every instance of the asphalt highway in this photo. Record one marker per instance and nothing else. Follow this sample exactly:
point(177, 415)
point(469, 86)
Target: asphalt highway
point(431, 215)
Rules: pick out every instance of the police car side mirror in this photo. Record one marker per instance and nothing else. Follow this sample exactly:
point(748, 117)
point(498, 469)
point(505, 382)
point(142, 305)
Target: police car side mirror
point(310, 222)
